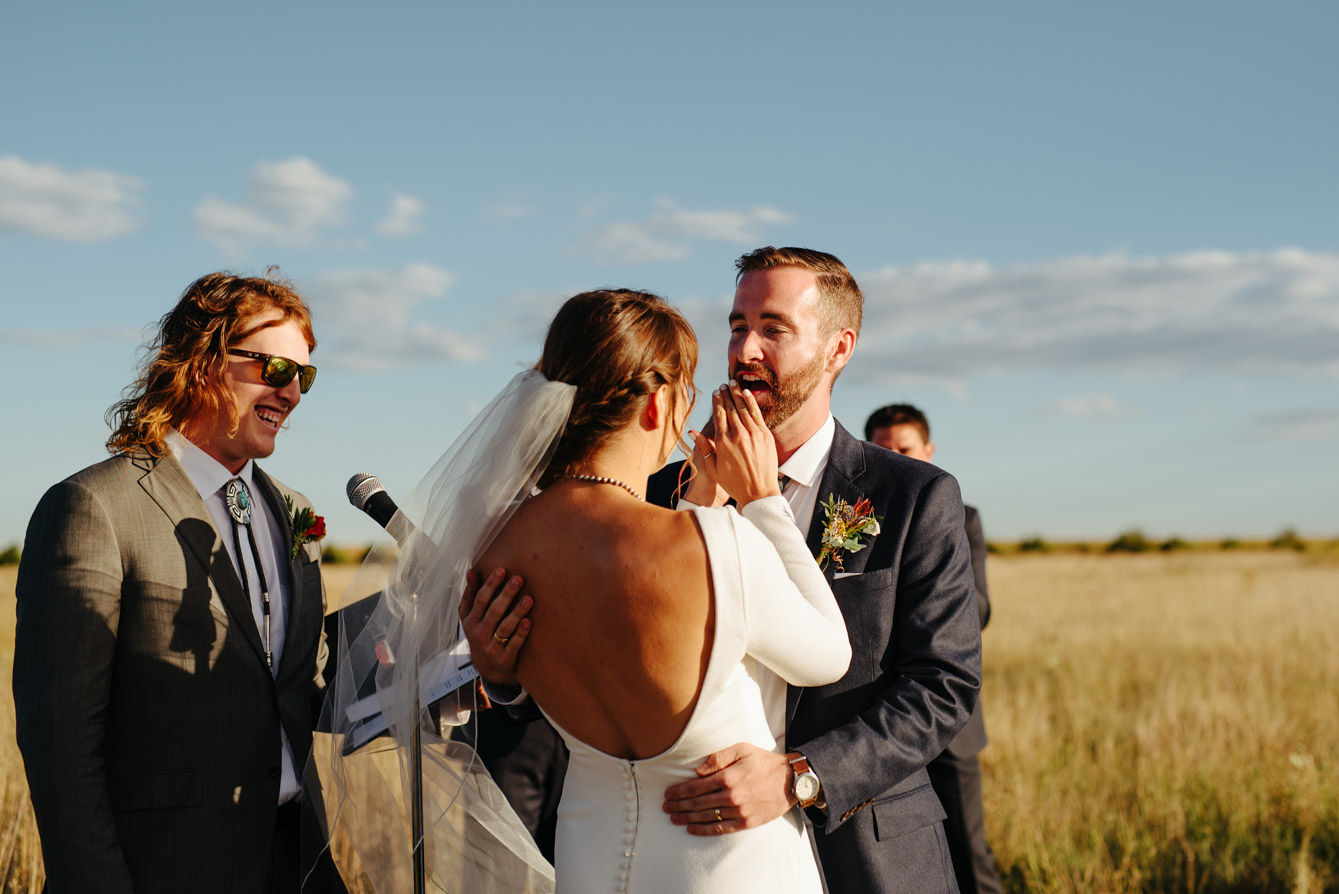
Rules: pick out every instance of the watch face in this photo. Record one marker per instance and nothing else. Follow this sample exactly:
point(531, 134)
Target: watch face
point(806, 786)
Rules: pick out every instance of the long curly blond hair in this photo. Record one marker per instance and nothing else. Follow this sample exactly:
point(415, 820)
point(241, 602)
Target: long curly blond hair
point(181, 377)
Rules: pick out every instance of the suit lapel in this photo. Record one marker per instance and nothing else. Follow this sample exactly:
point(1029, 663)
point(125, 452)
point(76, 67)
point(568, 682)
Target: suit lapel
point(168, 485)
point(846, 463)
point(295, 604)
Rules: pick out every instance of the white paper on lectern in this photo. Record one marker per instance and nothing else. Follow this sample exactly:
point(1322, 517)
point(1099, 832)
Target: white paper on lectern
point(440, 676)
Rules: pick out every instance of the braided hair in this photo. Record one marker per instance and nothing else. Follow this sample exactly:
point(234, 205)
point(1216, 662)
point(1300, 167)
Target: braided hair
point(617, 346)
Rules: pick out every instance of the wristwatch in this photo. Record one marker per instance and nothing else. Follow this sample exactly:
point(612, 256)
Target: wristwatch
point(805, 786)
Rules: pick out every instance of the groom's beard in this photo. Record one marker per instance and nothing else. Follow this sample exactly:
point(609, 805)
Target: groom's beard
point(784, 397)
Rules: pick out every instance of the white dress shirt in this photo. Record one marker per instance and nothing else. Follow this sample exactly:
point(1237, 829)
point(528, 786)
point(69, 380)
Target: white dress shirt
point(210, 478)
point(805, 470)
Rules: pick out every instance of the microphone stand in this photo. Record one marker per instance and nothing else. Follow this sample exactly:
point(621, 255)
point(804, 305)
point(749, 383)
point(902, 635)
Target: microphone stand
point(384, 512)
point(416, 774)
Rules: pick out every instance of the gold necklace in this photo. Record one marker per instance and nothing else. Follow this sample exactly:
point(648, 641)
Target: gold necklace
point(600, 479)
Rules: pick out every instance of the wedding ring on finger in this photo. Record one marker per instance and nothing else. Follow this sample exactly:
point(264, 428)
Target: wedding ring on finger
point(718, 815)
point(500, 640)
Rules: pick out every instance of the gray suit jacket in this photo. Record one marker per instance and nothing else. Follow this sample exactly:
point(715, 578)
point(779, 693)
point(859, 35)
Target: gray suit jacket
point(972, 739)
point(915, 670)
point(148, 721)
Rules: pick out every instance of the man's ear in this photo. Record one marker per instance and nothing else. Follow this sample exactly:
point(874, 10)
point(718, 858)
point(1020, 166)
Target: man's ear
point(929, 451)
point(840, 348)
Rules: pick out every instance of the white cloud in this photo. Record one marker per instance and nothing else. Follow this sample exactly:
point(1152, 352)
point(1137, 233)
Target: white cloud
point(70, 206)
point(405, 217)
point(1319, 424)
point(1265, 313)
point(372, 319)
point(288, 204)
point(595, 205)
point(502, 212)
point(633, 243)
point(668, 233)
point(70, 339)
point(1087, 406)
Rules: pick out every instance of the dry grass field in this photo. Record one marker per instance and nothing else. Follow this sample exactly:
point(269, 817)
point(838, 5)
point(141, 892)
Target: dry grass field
point(20, 851)
point(1158, 723)
point(1164, 722)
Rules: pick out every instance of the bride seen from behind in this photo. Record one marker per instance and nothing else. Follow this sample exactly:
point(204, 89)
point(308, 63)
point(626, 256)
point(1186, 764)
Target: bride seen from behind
point(657, 637)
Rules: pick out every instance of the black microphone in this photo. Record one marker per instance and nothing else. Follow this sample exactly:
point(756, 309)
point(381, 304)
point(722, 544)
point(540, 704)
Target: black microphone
point(367, 493)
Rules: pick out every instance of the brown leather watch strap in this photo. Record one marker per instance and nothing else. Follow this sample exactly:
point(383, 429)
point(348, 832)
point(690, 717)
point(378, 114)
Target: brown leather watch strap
point(799, 766)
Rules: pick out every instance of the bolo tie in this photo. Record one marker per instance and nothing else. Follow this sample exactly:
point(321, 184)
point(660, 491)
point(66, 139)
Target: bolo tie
point(238, 500)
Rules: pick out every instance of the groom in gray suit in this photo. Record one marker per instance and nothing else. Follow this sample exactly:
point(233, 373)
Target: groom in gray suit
point(168, 651)
point(858, 748)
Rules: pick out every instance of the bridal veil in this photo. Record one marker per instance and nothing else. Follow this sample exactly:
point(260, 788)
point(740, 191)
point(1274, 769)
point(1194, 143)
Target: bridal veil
point(472, 839)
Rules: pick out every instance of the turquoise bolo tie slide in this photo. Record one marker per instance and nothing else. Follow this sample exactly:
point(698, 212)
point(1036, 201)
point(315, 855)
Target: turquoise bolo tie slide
point(238, 500)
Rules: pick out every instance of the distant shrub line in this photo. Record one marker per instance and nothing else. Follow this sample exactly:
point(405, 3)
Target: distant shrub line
point(1133, 540)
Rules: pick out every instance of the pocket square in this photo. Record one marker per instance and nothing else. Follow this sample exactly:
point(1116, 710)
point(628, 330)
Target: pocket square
point(841, 574)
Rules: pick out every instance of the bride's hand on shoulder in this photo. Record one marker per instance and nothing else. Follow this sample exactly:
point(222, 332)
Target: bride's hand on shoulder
point(746, 464)
point(495, 624)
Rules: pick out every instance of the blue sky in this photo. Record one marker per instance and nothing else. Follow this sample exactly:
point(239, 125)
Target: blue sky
point(1098, 244)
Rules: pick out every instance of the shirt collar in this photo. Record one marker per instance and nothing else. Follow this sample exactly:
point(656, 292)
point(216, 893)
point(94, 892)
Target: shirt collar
point(206, 473)
point(807, 463)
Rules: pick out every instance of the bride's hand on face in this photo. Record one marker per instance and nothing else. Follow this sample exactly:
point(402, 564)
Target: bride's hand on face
point(703, 489)
point(745, 460)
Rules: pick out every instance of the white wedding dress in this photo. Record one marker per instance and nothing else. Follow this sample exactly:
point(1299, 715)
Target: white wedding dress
point(776, 622)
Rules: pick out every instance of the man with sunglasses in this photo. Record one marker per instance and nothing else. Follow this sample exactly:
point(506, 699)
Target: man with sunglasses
point(168, 651)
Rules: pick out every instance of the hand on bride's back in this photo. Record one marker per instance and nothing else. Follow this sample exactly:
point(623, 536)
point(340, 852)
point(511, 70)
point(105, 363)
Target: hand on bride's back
point(743, 451)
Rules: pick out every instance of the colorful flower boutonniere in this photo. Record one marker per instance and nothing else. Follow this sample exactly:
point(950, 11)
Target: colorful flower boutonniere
point(844, 529)
point(308, 527)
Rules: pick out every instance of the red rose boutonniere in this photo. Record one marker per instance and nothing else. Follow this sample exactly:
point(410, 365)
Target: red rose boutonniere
point(844, 529)
point(308, 527)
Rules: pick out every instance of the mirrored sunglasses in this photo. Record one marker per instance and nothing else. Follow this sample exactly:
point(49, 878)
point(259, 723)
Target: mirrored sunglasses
point(278, 371)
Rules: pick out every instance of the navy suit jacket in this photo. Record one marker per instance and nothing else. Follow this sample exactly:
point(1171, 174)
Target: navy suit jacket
point(910, 608)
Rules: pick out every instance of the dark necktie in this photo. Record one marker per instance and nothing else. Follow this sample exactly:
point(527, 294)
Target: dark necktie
point(238, 500)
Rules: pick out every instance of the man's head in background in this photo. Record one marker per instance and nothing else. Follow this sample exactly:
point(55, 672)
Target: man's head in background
point(903, 429)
